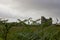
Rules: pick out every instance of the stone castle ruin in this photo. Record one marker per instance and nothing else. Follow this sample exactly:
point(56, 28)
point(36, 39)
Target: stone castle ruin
point(45, 21)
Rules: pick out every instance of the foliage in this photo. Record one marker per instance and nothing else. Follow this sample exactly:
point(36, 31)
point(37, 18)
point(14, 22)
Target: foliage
point(33, 31)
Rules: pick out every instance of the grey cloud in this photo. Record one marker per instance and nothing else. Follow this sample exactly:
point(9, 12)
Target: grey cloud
point(34, 8)
point(5, 14)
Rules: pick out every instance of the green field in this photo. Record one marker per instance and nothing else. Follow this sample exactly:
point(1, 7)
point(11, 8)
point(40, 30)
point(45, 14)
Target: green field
point(33, 33)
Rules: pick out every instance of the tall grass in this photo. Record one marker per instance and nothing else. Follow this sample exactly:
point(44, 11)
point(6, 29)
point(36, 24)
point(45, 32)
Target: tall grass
point(23, 31)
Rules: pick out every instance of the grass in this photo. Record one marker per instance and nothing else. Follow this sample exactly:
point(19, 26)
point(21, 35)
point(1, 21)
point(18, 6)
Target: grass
point(33, 33)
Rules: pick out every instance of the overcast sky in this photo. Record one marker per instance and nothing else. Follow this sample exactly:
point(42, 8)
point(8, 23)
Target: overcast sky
point(29, 8)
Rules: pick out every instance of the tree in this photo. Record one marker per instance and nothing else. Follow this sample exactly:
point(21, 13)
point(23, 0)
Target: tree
point(26, 20)
point(38, 21)
point(22, 23)
point(35, 22)
point(6, 27)
point(29, 19)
